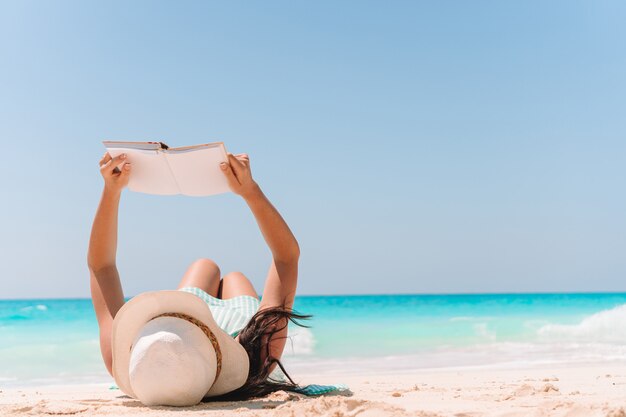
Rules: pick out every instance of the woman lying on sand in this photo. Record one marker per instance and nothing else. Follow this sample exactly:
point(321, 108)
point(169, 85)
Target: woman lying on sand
point(212, 337)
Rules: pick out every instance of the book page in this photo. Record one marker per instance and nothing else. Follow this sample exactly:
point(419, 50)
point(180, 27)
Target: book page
point(150, 171)
point(197, 170)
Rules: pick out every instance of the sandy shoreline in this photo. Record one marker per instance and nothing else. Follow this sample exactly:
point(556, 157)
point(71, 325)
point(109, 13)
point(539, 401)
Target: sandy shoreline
point(579, 390)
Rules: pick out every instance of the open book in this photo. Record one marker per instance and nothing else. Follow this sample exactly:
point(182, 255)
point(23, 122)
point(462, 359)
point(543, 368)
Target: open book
point(159, 169)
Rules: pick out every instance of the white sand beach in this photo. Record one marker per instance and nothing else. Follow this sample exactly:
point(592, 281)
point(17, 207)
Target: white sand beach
point(576, 391)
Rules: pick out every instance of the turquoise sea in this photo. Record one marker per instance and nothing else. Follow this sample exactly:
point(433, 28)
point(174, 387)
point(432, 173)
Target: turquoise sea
point(56, 340)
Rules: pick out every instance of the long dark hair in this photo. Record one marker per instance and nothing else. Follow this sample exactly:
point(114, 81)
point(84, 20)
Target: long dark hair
point(255, 338)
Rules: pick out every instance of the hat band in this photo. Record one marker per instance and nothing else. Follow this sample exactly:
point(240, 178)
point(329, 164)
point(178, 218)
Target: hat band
point(207, 332)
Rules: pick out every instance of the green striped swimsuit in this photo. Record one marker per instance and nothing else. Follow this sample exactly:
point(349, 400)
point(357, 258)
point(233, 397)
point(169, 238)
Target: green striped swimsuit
point(233, 314)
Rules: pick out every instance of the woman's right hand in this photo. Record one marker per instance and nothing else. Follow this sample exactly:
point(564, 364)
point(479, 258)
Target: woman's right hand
point(115, 179)
point(239, 175)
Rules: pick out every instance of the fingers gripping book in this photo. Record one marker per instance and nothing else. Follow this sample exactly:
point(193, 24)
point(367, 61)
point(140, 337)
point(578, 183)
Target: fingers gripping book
point(159, 169)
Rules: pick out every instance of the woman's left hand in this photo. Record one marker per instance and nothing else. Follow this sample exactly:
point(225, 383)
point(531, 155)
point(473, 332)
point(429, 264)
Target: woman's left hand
point(239, 175)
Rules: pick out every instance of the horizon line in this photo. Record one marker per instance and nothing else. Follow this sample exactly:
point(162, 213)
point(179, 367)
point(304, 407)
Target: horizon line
point(433, 294)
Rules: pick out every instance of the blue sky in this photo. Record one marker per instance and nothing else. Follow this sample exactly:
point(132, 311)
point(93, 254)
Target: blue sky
point(414, 147)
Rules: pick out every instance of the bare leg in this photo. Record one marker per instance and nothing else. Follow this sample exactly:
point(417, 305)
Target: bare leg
point(234, 284)
point(203, 274)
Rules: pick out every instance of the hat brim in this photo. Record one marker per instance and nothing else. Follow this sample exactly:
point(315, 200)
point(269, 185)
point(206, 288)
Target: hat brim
point(146, 306)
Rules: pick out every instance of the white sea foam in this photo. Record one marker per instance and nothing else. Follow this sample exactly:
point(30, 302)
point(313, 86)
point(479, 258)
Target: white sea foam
point(462, 318)
point(493, 355)
point(482, 330)
point(300, 342)
point(469, 318)
point(606, 326)
point(40, 307)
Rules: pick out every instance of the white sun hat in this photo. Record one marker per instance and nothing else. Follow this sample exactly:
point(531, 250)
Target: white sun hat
point(168, 350)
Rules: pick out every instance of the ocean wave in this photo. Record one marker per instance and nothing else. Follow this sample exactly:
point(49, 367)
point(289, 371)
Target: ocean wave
point(300, 341)
point(40, 307)
point(28, 312)
point(462, 318)
point(469, 318)
point(488, 356)
point(482, 330)
point(606, 326)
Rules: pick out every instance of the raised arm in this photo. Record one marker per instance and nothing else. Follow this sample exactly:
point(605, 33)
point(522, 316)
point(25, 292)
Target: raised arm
point(106, 289)
point(281, 282)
